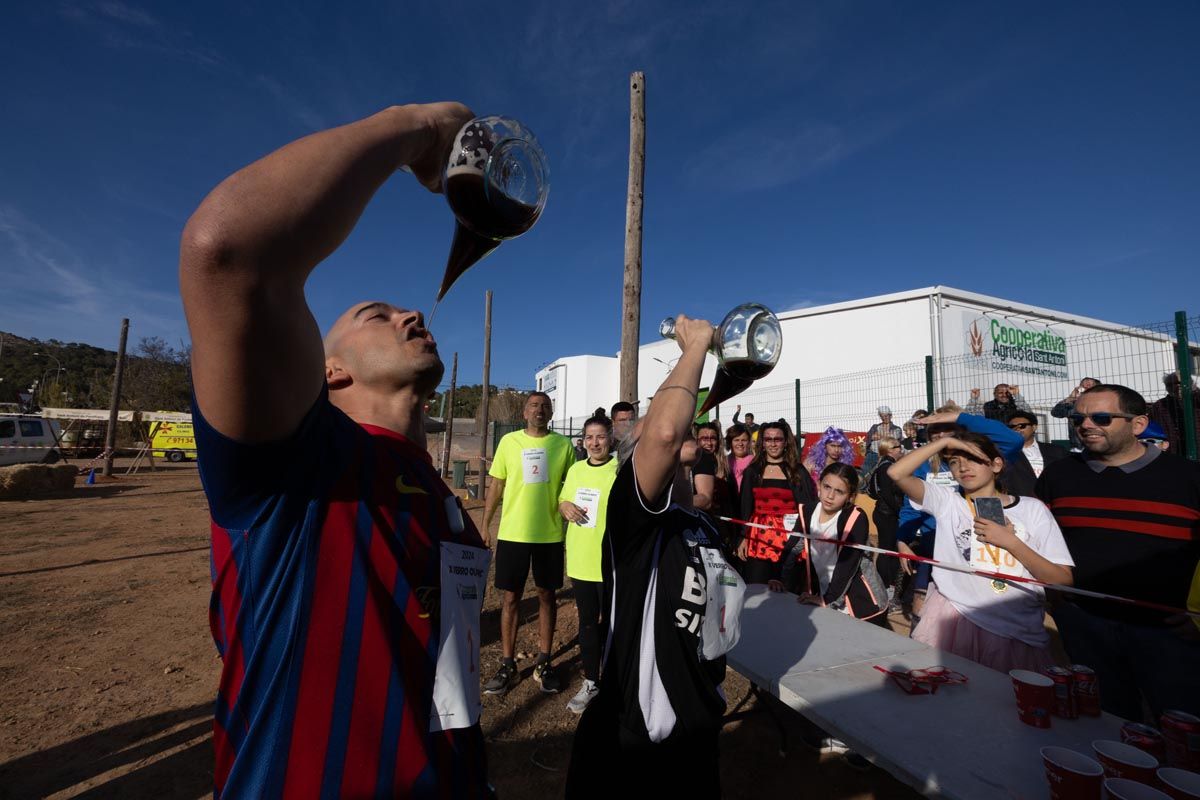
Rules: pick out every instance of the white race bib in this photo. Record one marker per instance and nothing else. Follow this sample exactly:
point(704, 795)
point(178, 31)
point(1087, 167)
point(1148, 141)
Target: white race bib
point(589, 501)
point(945, 478)
point(726, 592)
point(534, 465)
point(991, 558)
point(789, 521)
point(456, 700)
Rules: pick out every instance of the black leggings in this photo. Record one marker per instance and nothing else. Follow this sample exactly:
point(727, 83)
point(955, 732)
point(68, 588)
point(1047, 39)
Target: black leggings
point(592, 626)
point(759, 570)
point(887, 566)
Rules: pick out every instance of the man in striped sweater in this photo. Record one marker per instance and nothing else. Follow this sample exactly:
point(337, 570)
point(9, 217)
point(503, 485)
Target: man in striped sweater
point(1131, 518)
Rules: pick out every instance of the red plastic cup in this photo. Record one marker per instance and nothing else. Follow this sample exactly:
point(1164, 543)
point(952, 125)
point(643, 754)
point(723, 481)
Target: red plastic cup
point(1035, 697)
point(1180, 784)
point(1181, 732)
point(1125, 761)
point(1144, 737)
point(1071, 775)
point(1125, 789)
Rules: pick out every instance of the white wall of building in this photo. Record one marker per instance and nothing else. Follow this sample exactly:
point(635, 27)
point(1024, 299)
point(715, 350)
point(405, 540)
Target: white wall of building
point(577, 385)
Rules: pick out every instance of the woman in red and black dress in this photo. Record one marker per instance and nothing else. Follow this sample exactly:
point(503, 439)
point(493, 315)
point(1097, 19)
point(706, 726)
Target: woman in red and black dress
point(773, 488)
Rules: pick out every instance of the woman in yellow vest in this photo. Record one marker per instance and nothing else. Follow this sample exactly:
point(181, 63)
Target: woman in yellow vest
point(583, 502)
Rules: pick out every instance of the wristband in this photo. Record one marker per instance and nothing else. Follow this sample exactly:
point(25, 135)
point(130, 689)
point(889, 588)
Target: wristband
point(677, 386)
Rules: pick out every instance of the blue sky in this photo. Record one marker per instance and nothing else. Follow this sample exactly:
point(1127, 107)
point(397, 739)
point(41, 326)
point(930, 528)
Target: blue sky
point(797, 154)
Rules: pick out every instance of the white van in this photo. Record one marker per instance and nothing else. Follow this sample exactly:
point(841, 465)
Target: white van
point(26, 439)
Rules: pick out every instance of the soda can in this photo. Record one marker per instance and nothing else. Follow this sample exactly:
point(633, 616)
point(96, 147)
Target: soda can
point(1065, 704)
point(1087, 690)
point(1181, 732)
point(1144, 737)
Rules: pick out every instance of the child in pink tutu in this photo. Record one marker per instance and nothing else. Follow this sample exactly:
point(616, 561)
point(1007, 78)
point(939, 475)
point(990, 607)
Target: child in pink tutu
point(998, 624)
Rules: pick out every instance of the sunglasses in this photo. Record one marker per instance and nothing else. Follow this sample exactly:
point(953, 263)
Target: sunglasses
point(1101, 418)
point(1020, 426)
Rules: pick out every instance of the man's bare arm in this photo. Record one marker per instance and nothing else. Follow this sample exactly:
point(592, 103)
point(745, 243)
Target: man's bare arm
point(669, 419)
point(495, 495)
point(257, 356)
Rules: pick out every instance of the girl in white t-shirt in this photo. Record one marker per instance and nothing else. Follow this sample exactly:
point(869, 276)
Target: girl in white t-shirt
point(996, 623)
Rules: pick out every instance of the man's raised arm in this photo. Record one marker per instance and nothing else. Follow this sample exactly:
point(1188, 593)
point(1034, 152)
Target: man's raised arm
point(668, 422)
point(257, 356)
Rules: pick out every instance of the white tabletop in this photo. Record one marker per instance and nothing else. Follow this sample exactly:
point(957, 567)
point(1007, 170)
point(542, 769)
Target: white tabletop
point(964, 742)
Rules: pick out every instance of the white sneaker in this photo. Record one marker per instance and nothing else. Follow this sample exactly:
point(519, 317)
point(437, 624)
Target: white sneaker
point(586, 694)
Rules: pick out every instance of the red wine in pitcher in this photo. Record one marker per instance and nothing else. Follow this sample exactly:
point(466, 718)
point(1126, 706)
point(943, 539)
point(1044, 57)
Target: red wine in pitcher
point(495, 182)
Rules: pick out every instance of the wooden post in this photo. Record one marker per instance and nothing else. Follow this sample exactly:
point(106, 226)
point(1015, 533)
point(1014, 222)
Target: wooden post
point(631, 293)
point(110, 441)
point(485, 394)
point(448, 418)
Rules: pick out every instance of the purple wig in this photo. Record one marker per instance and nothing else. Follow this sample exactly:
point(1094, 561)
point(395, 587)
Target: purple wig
point(817, 457)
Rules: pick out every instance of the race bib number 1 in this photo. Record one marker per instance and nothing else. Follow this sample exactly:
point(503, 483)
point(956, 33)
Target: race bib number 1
point(534, 465)
point(589, 501)
point(456, 700)
point(991, 558)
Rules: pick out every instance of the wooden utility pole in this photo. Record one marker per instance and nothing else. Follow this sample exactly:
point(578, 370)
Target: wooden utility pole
point(485, 395)
point(448, 418)
point(631, 293)
point(110, 441)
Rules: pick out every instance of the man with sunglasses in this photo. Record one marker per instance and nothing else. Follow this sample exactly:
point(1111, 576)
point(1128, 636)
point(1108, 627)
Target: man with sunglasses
point(1022, 472)
point(1131, 517)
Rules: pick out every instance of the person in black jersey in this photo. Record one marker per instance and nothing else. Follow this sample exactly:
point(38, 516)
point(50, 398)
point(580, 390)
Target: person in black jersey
point(674, 603)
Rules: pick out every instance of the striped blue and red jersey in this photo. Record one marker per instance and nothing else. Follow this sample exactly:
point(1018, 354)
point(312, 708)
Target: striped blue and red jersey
point(325, 575)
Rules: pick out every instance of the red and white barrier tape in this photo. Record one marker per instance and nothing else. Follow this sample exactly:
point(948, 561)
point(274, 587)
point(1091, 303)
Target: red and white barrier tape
point(972, 571)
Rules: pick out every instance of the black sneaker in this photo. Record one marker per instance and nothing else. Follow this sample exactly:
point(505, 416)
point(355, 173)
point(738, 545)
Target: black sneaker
point(547, 678)
point(502, 681)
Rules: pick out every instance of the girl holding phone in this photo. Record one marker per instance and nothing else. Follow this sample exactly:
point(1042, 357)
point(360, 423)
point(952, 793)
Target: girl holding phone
point(993, 622)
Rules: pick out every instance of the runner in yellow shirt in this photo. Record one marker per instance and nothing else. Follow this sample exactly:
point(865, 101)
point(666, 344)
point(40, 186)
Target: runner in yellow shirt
point(584, 504)
point(527, 476)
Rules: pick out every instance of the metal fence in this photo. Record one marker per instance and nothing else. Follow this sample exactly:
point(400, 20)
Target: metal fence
point(1138, 357)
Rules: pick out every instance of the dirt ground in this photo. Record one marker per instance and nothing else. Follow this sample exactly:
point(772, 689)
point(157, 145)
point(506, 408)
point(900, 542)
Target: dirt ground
point(108, 672)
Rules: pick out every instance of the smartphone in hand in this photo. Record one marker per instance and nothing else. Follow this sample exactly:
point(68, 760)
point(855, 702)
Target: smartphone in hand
point(990, 508)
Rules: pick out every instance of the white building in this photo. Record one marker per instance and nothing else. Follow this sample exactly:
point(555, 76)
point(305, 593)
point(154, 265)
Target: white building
point(851, 357)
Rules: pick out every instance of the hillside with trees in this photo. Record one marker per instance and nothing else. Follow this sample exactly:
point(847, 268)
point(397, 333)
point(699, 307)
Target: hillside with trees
point(76, 375)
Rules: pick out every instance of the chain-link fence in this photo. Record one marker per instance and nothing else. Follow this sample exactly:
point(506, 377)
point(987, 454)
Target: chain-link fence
point(765, 403)
point(1139, 357)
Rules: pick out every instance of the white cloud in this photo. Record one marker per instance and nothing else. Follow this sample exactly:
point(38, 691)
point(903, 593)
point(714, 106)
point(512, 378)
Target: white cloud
point(57, 293)
point(124, 27)
point(290, 102)
point(127, 14)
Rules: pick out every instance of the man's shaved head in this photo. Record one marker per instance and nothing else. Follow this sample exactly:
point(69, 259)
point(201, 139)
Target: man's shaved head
point(379, 347)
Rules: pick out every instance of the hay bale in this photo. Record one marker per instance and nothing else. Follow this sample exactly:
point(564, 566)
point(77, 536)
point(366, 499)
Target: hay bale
point(33, 480)
point(62, 477)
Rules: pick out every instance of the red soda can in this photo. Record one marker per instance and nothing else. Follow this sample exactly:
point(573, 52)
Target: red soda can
point(1181, 732)
point(1087, 690)
point(1065, 704)
point(1146, 738)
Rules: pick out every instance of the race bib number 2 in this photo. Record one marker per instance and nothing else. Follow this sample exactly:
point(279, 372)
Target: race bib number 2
point(534, 465)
